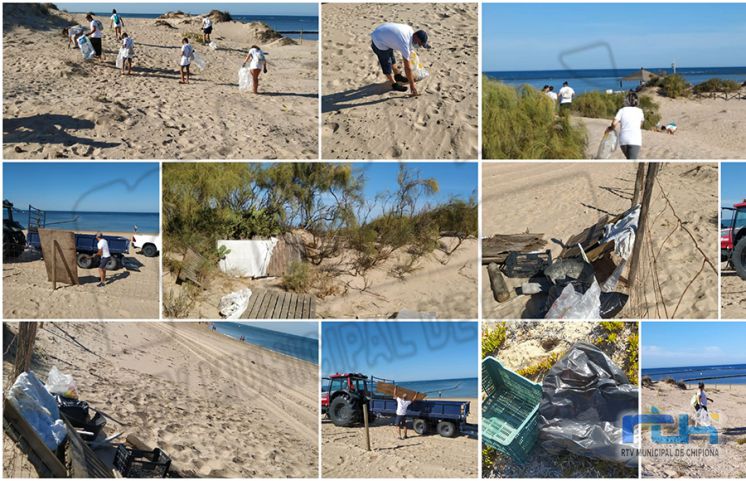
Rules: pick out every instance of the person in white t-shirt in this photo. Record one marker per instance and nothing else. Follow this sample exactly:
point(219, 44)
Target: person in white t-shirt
point(257, 62)
point(396, 36)
point(187, 54)
point(402, 403)
point(117, 23)
point(206, 30)
point(95, 35)
point(104, 256)
point(548, 90)
point(566, 94)
point(72, 34)
point(128, 53)
point(629, 119)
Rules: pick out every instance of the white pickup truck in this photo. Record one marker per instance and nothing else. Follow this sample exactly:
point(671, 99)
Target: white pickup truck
point(149, 244)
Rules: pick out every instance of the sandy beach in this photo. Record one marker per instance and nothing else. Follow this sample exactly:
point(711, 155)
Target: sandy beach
point(131, 291)
point(561, 200)
point(730, 460)
point(218, 407)
point(441, 284)
point(707, 129)
point(364, 119)
point(431, 456)
point(732, 295)
point(56, 105)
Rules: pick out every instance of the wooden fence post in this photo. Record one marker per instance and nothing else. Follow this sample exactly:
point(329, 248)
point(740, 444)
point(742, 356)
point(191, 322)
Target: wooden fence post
point(638, 183)
point(24, 347)
point(365, 421)
point(647, 195)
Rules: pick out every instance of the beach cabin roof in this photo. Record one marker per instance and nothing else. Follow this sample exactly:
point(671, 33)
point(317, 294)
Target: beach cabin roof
point(642, 75)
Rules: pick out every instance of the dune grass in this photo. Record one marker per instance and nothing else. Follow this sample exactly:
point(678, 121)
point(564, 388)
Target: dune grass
point(600, 105)
point(523, 124)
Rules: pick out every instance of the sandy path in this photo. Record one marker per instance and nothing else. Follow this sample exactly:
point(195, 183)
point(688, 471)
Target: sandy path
point(364, 119)
point(730, 461)
point(218, 407)
point(560, 200)
point(732, 295)
point(58, 106)
point(430, 456)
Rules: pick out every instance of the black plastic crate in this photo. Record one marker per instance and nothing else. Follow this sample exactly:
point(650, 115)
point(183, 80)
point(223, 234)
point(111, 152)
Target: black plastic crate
point(134, 463)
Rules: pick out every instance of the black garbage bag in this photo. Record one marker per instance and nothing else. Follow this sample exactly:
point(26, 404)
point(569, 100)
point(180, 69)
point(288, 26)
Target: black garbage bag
point(584, 399)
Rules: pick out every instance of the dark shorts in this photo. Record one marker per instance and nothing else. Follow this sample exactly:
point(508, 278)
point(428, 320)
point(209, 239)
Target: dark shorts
point(207, 30)
point(401, 421)
point(385, 58)
point(96, 43)
point(103, 262)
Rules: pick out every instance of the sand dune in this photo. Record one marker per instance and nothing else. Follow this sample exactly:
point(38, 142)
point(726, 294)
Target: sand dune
point(432, 456)
point(364, 119)
point(218, 407)
point(560, 200)
point(707, 129)
point(58, 106)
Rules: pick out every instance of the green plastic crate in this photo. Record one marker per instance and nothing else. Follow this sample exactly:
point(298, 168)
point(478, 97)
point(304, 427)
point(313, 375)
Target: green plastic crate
point(510, 410)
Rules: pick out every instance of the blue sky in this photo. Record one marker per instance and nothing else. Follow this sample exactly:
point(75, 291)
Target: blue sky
point(732, 187)
point(679, 344)
point(310, 9)
point(532, 36)
point(134, 187)
point(402, 351)
point(298, 328)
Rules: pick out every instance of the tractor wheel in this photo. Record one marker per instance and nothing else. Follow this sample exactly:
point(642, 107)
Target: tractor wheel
point(446, 429)
point(420, 426)
point(149, 250)
point(85, 261)
point(343, 411)
point(738, 258)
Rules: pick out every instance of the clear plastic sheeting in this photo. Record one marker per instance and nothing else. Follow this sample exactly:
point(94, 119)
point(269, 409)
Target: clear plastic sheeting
point(572, 304)
point(199, 61)
point(585, 397)
point(245, 82)
point(233, 305)
point(38, 408)
point(608, 145)
point(60, 383)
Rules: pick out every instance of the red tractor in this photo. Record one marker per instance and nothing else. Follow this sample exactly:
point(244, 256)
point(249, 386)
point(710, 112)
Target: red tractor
point(733, 237)
point(344, 396)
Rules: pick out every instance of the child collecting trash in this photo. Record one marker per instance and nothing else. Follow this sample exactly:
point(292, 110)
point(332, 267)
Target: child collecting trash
point(257, 62)
point(127, 53)
point(187, 54)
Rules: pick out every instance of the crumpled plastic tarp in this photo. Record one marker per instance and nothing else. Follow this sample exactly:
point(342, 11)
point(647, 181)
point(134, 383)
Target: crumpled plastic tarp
point(584, 399)
point(38, 408)
point(623, 233)
point(572, 304)
point(232, 305)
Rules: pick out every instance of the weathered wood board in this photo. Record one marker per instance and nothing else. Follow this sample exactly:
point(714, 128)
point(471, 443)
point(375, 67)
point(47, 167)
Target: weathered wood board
point(275, 304)
point(497, 247)
point(388, 389)
point(190, 265)
point(60, 258)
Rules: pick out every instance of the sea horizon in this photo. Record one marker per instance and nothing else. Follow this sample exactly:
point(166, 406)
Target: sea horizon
point(736, 373)
point(293, 345)
point(146, 222)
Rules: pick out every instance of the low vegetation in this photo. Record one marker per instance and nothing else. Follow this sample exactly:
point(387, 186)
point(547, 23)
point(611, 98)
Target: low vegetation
point(537, 371)
point(674, 86)
point(523, 124)
point(600, 105)
point(717, 85)
point(493, 339)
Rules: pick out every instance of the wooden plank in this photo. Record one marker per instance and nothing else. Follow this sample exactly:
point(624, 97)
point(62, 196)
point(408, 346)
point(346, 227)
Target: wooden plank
point(254, 302)
point(60, 256)
point(388, 389)
point(286, 306)
point(497, 247)
point(84, 463)
point(278, 307)
point(303, 301)
point(269, 301)
point(190, 266)
point(588, 239)
point(292, 306)
point(312, 308)
point(35, 444)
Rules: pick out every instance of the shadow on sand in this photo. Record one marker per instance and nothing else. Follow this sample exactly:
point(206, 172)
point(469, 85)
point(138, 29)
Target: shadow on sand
point(348, 98)
point(50, 129)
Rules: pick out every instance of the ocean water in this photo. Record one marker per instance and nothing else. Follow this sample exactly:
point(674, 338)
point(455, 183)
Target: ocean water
point(447, 388)
point(299, 347)
point(692, 372)
point(280, 23)
point(147, 222)
point(604, 79)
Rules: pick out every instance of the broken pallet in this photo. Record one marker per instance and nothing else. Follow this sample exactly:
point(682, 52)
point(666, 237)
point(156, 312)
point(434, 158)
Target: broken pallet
point(274, 304)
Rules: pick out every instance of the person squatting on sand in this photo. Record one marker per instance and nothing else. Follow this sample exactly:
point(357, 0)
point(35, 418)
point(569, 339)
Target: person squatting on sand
point(104, 255)
point(187, 54)
point(117, 23)
point(206, 30)
point(72, 34)
point(401, 413)
point(257, 62)
point(96, 35)
point(630, 118)
point(396, 36)
point(128, 52)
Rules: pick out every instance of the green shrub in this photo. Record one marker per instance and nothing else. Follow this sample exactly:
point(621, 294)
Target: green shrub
point(299, 277)
point(717, 85)
point(523, 124)
point(599, 105)
point(178, 306)
point(493, 339)
point(674, 86)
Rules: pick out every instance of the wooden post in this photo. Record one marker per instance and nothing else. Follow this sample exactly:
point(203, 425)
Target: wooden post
point(365, 422)
point(24, 347)
point(497, 283)
point(638, 183)
point(647, 195)
point(54, 267)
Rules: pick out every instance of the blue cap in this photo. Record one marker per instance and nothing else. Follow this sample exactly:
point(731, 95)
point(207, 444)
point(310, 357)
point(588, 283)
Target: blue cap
point(421, 35)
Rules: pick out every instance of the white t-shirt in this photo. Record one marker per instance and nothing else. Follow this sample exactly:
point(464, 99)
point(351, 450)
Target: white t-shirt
point(94, 25)
point(395, 36)
point(186, 55)
point(116, 20)
point(552, 95)
point(75, 31)
point(206, 22)
point(630, 119)
point(565, 94)
point(103, 246)
point(703, 399)
point(401, 406)
point(257, 58)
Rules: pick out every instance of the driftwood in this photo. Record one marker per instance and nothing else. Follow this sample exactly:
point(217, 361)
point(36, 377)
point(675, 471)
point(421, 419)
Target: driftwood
point(497, 283)
point(497, 247)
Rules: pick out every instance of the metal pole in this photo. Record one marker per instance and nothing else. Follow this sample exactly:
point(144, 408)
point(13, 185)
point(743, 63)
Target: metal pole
point(365, 421)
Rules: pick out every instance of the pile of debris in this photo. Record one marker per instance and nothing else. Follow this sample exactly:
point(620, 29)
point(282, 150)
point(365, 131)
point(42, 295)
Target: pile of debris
point(581, 283)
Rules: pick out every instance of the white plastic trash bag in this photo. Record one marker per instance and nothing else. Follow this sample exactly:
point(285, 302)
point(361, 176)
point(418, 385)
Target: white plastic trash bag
point(573, 305)
point(60, 383)
point(200, 62)
point(245, 81)
point(213, 45)
point(608, 145)
point(120, 58)
point(38, 408)
point(86, 47)
point(418, 70)
point(623, 233)
point(233, 305)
